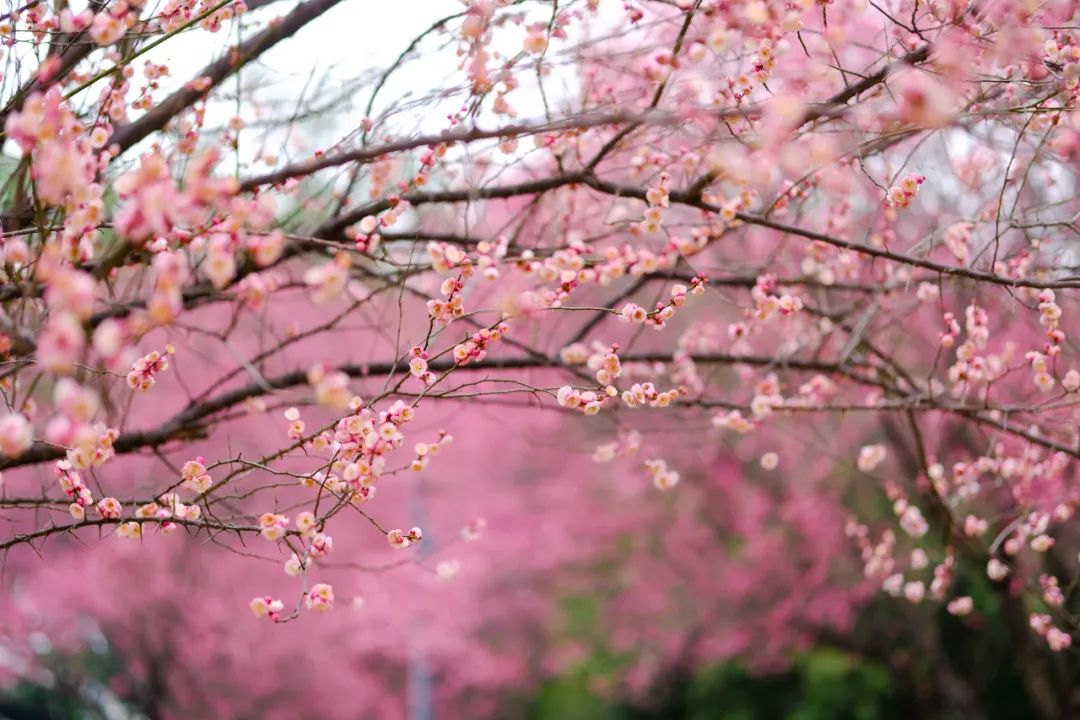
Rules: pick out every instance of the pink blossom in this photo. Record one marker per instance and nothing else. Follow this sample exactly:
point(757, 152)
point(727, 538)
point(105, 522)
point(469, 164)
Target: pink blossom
point(16, 435)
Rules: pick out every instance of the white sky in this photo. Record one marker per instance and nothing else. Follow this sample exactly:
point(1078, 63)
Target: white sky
point(352, 39)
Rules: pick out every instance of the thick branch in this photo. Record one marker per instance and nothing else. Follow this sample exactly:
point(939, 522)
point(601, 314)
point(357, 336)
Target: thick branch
point(189, 419)
point(128, 135)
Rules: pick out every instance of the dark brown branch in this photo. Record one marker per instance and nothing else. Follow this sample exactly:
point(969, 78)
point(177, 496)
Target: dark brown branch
point(335, 228)
point(368, 154)
point(128, 135)
point(190, 419)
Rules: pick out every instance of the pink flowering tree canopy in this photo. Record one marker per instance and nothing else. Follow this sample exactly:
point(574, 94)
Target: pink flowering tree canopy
point(718, 319)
